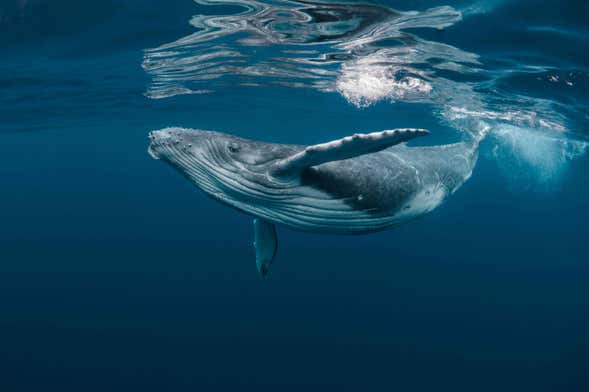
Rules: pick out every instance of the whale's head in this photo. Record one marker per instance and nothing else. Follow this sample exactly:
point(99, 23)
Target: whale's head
point(229, 168)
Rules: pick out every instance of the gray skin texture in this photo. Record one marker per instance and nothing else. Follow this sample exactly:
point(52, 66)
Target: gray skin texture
point(363, 194)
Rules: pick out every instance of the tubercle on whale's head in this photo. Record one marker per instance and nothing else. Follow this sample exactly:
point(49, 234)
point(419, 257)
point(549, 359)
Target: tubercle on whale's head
point(172, 142)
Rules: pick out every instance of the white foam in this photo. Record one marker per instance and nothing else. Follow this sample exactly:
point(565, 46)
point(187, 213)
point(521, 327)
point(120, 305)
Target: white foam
point(531, 156)
point(529, 149)
point(366, 81)
point(520, 117)
point(482, 7)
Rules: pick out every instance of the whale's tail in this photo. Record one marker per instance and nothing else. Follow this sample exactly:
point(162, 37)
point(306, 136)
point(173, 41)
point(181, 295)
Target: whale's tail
point(479, 133)
point(474, 130)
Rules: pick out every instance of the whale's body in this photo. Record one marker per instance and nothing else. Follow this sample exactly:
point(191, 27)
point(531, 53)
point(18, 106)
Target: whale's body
point(355, 185)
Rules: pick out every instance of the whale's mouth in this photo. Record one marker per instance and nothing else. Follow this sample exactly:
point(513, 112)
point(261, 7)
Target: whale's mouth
point(152, 152)
point(154, 143)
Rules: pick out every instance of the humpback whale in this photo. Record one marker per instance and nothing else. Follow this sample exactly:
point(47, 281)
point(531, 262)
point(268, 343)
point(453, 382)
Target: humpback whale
point(358, 184)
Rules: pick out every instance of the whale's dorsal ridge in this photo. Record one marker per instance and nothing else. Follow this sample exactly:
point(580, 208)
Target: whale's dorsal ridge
point(345, 148)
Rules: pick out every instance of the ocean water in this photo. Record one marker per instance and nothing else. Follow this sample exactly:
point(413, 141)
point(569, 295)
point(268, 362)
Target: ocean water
point(116, 274)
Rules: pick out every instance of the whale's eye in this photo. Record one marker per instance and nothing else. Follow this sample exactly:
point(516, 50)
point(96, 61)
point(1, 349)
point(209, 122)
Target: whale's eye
point(233, 147)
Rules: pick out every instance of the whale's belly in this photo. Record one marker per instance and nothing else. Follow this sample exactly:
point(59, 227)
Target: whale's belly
point(340, 216)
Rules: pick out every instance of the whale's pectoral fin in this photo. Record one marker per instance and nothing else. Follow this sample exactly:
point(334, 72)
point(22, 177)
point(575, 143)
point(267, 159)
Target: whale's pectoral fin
point(348, 147)
point(266, 243)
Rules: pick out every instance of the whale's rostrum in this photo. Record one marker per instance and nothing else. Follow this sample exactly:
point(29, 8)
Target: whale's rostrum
point(358, 184)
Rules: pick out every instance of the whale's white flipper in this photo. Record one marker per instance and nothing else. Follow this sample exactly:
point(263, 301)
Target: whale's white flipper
point(266, 243)
point(348, 147)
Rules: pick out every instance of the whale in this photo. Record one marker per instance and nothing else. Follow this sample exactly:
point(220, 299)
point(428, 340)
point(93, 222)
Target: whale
point(362, 183)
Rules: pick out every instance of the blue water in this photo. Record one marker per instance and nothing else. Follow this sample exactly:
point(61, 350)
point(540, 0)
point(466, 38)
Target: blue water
point(116, 274)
